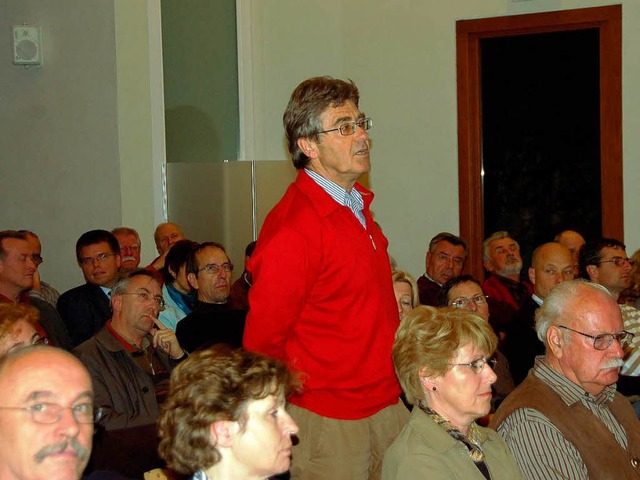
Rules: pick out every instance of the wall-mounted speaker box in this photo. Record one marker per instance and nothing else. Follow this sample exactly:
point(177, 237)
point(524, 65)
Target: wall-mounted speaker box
point(27, 45)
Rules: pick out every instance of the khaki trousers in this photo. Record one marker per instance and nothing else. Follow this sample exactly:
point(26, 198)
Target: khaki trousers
point(344, 449)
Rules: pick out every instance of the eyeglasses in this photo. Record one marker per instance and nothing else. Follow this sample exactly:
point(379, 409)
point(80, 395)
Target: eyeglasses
point(101, 257)
point(213, 269)
point(604, 340)
point(477, 365)
point(47, 413)
point(443, 257)
point(145, 297)
point(350, 128)
point(618, 261)
point(37, 259)
point(41, 341)
point(463, 302)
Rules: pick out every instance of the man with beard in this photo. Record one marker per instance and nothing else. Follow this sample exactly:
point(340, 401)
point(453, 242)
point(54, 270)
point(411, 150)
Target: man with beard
point(130, 360)
point(444, 261)
point(46, 415)
point(566, 420)
point(507, 293)
point(214, 319)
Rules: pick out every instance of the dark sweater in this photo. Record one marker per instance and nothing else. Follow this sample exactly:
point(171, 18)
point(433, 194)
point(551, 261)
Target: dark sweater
point(211, 323)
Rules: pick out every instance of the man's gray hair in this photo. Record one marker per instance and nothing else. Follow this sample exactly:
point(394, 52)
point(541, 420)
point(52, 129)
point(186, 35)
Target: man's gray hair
point(556, 305)
point(494, 236)
point(121, 285)
point(126, 231)
point(447, 237)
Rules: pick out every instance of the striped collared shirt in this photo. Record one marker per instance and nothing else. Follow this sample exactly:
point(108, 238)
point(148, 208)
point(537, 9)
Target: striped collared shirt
point(538, 446)
point(631, 321)
point(352, 199)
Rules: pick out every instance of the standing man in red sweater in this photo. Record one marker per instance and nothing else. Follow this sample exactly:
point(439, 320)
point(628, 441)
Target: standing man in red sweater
point(322, 298)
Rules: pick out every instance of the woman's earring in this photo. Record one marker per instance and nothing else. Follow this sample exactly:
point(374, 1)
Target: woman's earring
point(433, 388)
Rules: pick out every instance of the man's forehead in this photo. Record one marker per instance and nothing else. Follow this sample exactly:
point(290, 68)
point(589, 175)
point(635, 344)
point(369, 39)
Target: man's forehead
point(100, 247)
point(18, 244)
point(613, 252)
point(126, 238)
point(502, 242)
point(211, 253)
point(446, 245)
point(146, 282)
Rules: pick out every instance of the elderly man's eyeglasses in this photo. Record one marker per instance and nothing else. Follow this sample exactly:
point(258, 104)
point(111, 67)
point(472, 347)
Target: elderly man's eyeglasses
point(604, 340)
point(146, 297)
point(350, 128)
point(477, 365)
point(47, 413)
point(213, 268)
point(618, 261)
point(101, 258)
point(463, 302)
point(443, 257)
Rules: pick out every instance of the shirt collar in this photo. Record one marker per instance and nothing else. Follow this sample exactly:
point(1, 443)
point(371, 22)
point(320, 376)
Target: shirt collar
point(569, 392)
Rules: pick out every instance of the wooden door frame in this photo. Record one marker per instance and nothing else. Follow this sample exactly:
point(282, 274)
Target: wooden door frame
point(469, 33)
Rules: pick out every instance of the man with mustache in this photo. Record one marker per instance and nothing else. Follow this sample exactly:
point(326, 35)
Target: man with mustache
point(506, 291)
point(444, 261)
point(214, 319)
point(130, 247)
point(130, 360)
point(46, 415)
point(604, 261)
point(322, 298)
point(566, 420)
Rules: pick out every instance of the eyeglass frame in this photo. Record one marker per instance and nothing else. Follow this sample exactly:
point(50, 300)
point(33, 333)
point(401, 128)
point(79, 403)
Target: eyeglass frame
point(364, 123)
point(618, 261)
point(101, 257)
point(478, 364)
point(214, 268)
point(613, 336)
point(473, 299)
point(96, 413)
point(146, 296)
point(37, 259)
point(444, 257)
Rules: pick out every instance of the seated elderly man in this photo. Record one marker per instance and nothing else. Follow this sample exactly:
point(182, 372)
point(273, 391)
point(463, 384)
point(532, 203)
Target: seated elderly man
point(46, 415)
point(566, 420)
point(130, 360)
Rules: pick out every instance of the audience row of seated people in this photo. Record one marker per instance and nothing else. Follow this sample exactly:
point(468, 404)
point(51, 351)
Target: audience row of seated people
point(182, 302)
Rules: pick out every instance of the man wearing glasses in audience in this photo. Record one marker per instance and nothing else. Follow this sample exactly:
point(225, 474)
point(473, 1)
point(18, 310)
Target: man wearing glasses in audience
point(130, 361)
point(604, 261)
point(85, 309)
point(445, 260)
point(214, 318)
point(322, 298)
point(18, 266)
point(46, 415)
point(566, 420)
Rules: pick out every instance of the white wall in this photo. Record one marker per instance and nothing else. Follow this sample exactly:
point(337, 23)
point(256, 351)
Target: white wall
point(402, 56)
point(76, 135)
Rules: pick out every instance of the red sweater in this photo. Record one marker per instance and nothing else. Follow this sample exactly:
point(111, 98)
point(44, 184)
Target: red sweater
point(323, 302)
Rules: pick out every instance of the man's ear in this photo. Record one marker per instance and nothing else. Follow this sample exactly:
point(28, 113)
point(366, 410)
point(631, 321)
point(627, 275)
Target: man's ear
point(308, 147)
point(116, 302)
point(555, 341)
point(532, 275)
point(193, 280)
point(118, 261)
point(593, 272)
point(223, 432)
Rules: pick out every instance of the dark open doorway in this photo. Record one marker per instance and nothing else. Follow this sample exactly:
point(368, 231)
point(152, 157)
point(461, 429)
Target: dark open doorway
point(509, 140)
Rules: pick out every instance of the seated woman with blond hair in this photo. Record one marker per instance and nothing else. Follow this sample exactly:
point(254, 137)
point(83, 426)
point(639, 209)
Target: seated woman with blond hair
point(405, 289)
point(443, 360)
point(225, 416)
point(19, 325)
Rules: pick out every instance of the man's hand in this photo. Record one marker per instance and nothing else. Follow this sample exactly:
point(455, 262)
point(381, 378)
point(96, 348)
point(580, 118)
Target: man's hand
point(165, 339)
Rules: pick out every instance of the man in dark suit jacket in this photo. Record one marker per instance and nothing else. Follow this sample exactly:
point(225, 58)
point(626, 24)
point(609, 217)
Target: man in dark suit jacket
point(86, 308)
point(445, 260)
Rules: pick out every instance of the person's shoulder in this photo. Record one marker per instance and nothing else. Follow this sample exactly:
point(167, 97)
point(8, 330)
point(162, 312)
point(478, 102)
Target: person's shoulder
point(81, 291)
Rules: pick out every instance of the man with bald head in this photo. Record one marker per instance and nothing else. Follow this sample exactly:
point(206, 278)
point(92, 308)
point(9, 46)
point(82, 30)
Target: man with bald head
point(46, 415)
point(574, 242)
point(166, 234)
point(566, 420)
point(551, 264)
